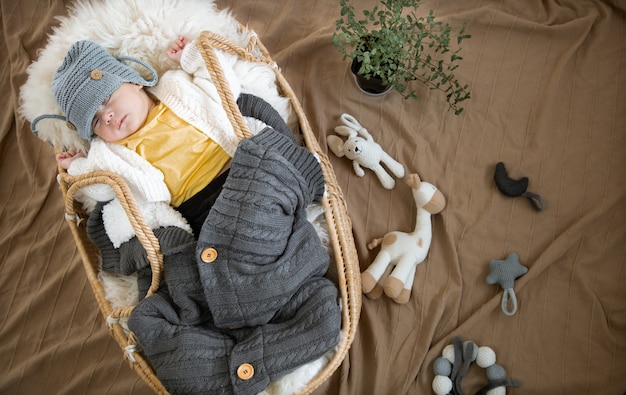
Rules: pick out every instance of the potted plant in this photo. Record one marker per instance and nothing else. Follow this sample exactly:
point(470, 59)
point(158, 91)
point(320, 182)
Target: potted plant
point(394, 46)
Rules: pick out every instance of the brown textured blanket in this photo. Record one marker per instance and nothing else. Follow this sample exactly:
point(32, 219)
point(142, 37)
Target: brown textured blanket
point(548, 83)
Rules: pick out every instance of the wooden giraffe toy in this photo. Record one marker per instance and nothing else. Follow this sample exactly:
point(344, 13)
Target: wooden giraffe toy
point(393, 270)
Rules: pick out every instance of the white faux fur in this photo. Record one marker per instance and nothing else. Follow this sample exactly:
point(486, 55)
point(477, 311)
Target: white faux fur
point(145, 29)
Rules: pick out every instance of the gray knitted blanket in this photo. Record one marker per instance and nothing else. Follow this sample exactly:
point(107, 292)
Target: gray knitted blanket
point(246, 303)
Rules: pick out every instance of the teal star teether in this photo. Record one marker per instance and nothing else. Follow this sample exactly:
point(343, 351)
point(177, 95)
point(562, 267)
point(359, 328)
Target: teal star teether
point(504, 272)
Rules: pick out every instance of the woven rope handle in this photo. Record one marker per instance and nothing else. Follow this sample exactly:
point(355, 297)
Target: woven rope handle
point(206, 43)
point(141, 228)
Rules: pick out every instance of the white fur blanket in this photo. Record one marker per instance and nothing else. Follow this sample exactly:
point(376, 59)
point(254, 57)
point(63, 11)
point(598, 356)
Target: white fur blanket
point(145, 29)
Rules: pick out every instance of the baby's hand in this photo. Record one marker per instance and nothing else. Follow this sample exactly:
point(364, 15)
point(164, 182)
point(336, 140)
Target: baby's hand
point(65, 159)
point(176, 50)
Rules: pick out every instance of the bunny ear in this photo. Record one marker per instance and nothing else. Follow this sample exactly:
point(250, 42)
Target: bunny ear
point(350, 121)
point(363, 132)
point(335, 144)
point(355, 126)
point(345, 131)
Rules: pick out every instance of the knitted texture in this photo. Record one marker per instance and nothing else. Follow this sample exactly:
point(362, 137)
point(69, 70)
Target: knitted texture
point(266, 278)
point(131, 256)
point(285, 141)
point(180, 274)
point(97, 234)
point(504, 272)
point(454, 364)
point(199, 358)
point(88, 75)
point(187, 359)
point(304, 330)
point(128, 258)
point(196, 208)
point(256, 107)
point(265, 245)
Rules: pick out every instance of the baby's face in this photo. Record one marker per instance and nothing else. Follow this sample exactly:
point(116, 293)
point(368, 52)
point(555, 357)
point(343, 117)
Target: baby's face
point(123, 113)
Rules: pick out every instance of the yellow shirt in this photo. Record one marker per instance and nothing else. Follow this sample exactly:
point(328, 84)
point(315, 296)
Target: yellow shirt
point(188, 158)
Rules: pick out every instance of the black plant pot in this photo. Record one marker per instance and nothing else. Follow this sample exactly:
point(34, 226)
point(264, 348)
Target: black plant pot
point(373, 86)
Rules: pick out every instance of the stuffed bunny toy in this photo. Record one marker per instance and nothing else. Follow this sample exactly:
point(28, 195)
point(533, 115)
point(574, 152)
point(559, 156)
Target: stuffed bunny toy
point(364, 152)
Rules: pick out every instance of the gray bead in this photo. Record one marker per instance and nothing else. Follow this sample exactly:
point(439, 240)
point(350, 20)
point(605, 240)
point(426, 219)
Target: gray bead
point(442, 367)
point(496, 372)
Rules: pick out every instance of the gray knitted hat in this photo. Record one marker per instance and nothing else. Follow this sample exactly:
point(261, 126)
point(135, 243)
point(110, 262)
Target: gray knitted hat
point(88, 75)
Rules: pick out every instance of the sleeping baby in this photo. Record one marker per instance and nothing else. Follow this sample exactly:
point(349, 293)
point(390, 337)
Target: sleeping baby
point(243, 299)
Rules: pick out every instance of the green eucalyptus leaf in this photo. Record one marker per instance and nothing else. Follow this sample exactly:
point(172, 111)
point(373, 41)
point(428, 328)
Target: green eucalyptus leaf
point(399, 46)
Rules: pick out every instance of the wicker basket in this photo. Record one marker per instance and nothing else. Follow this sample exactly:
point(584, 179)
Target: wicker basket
point(338, 222)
